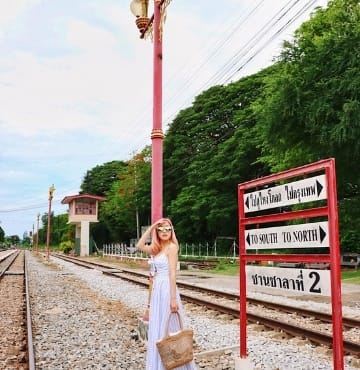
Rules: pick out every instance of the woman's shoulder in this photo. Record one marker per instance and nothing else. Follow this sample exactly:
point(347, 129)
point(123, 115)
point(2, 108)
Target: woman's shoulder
point(172, 248)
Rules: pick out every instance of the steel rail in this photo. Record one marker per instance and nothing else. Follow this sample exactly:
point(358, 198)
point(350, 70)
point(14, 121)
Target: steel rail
point(325, 317)
point(30, 343)
point(316, 337)
point(322, 316)
point(7, 262)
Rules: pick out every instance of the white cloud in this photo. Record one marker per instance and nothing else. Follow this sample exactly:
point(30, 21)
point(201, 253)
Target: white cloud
point(76, 85)
point(12, 9)
point(93, 40)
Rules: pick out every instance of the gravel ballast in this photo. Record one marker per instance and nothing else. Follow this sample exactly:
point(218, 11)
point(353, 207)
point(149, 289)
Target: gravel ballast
point(83, 319)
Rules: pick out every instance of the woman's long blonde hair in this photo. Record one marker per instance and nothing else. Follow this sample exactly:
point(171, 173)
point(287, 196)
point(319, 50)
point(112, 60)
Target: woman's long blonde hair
point(156, 243)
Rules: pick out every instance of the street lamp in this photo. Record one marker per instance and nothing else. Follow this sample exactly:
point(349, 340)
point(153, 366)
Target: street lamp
point(32, 237)
point(140, 9)
point(51, 195)
point(37, 233)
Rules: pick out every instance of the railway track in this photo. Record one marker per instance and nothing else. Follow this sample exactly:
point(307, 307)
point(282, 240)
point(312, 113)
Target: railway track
point(16, 348)
point(278, 317)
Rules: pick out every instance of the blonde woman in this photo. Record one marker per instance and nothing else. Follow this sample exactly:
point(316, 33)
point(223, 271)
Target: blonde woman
point(165, 297)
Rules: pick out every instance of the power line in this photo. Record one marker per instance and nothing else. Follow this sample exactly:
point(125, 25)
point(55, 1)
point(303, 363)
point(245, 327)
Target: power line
point(230, 68)
point(24, 208)
point(272, 38)
point(220, 44)
point(252, 42)
point(226, 72)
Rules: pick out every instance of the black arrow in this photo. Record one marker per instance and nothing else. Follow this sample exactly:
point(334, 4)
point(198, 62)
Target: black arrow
point(322, 234)
point(247, 202)
point(248, 239)
point(319, 187)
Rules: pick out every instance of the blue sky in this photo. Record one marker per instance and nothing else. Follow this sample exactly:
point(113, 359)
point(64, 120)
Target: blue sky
point(76, 83)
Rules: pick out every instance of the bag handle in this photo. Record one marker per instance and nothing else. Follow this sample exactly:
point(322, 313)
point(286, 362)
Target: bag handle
point(168, 322)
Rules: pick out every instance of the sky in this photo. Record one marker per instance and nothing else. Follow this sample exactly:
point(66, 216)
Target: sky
point(76, 83)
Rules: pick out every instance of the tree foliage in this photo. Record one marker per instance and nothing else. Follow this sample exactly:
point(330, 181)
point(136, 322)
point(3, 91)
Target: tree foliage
point(310, 108)
point(128, 198)
point(60, 230)
point(208, 149)
point(304, 108)
point(99, 179)
point(2, 235)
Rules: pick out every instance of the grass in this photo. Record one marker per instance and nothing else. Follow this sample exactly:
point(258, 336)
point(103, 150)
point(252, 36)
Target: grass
point(352, 277)
point(225, 268)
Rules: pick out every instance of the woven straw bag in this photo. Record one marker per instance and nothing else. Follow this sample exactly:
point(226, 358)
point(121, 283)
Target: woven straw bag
point(176, 349)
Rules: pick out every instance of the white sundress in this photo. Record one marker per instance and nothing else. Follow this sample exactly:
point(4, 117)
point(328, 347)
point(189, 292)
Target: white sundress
point(159, 312)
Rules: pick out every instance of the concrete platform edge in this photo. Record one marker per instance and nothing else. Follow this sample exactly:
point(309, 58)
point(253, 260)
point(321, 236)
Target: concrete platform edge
point(243, 364)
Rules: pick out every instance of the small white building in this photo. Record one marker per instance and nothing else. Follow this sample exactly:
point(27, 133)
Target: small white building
point(83, 209)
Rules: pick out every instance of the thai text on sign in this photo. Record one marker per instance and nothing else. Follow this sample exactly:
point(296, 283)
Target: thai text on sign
point(311, 189)
point(289, 280)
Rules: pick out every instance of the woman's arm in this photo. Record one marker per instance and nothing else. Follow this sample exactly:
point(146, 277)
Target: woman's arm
point(141, 244)
point(173, 259)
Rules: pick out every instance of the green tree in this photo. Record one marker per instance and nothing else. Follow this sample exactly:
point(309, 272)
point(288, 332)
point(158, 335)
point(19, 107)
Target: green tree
point(44, 220)
point(129, 199)
point(99, 179)
point(304, 108)
point(208, 149)
point(2, 235)
point(311, 108)
point(12, 240)
point(26, 241)
point(61, 231)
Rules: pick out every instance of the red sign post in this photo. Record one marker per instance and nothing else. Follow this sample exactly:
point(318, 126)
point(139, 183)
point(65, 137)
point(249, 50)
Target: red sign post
point(275, 213)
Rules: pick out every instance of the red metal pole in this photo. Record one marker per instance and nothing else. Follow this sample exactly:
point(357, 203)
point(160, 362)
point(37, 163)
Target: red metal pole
point(51, 192)
point(157, 135)
point(48, 232)
point(335, 271)
point(242, 276)
point(37, 233)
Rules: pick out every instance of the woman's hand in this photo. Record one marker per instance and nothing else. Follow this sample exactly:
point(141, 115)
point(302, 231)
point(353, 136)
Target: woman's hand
point(173, 305)
point(156, 224)
point(141, 244)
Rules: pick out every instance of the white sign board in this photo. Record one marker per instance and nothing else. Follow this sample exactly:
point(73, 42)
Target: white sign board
point(293, 236)
point(289, 280)
point(302, 191)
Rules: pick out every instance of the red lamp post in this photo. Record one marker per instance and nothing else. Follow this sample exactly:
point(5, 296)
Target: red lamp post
point(37, 233)
point(140, 8)
point(51, 195)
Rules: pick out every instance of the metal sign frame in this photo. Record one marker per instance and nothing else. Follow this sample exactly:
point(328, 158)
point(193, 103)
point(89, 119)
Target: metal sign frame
point(329, 211)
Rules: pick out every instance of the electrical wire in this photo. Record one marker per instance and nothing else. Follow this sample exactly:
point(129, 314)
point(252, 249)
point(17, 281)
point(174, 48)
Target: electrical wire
point(225, 73)
point(228, 71)
point(23, 208)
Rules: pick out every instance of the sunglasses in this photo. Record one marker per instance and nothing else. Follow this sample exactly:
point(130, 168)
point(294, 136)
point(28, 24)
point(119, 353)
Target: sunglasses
point(164, 229)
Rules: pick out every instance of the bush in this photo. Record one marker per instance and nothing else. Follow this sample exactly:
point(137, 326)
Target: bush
point(67, 246)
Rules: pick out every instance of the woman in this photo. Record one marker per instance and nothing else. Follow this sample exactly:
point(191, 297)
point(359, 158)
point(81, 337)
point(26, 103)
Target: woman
point(165, 297)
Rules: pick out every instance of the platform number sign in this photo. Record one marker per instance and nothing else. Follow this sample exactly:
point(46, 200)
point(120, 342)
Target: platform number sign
point(289, 280)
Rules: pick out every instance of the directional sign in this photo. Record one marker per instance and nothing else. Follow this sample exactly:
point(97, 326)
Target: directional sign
point(293, 236)
point(288, 280)
point(302, 191)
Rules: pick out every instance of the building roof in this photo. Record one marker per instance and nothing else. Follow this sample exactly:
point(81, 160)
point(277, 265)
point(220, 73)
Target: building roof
point(70, 198)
